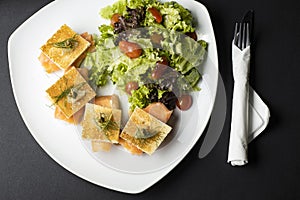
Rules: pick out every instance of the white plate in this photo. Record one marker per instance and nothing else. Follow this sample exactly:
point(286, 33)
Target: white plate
point(59, 139)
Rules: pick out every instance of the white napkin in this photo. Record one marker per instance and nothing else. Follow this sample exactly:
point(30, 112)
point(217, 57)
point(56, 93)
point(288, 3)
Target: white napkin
point(249, 116)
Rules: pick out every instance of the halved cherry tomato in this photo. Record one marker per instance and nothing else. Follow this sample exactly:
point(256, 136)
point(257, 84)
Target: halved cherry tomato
point(192, 35)
point(158, 71)
point(184, 102)
point(164, 61)
point(132, 85)
point(132, 50)
point(160, 68)
point(156, 14)
point(114, 19)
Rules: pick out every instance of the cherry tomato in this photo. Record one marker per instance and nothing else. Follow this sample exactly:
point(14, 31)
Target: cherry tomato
point(158, 71)
point(114, 19)
point(156, 14)
point(164, 61)
point(132, 85)
point(184, 102)
point(132, 50)
point(192, 35)
point(160, 68)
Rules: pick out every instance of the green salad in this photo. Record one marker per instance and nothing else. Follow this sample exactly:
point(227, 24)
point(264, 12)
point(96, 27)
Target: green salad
point(149, 50)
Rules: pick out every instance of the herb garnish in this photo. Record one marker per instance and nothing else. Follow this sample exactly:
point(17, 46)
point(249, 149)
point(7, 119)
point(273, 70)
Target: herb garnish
point(106, 123)
point(145, 142)
point(68, 91)
point(69, 43)
point(144, 133)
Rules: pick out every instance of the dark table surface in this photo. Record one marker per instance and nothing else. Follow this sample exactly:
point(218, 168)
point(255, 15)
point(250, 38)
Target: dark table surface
point(273, 172)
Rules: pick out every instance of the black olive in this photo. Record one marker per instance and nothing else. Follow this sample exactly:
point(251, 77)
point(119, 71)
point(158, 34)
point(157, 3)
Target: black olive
point(153, 96)
point(169, 99)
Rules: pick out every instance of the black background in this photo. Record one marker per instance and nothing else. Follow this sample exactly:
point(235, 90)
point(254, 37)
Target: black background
point(273, 172)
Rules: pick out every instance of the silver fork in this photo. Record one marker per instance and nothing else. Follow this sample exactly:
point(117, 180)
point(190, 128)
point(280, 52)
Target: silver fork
point(242, 35)
point(243, 30)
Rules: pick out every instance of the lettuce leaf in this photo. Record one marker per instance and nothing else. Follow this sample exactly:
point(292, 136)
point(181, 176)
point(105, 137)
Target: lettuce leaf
point(118, 7)
point(140, 97)
point(140, 3)
point(175, 17)
point(109, 62)
point(136, 69)
point(106, 31)
point(180, 48)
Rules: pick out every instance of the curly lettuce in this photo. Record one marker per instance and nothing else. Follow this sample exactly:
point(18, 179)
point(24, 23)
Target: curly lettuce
point(109, 63)
point(118, 7)
point(175, 16)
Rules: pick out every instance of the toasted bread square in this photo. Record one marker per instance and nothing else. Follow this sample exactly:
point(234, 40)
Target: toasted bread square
point(141, 120)
point(90, 125)
point(71, 92)
point(64, 57)
point(110, 101)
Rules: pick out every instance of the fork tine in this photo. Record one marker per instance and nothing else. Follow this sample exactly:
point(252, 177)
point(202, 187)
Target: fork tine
point(244, 36)
point(240, 35)
point(248, 34)
point(235, 36)
point(242, 31)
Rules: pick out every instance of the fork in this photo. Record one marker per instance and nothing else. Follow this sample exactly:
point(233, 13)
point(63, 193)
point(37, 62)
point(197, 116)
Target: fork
point(242, 31)
point(242, 35)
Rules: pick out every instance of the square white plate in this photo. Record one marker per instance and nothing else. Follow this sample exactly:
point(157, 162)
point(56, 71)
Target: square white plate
point(59, 139)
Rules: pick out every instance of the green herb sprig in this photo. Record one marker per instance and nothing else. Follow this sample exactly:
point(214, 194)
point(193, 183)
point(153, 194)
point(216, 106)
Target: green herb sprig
point(106, 124)
point(69, 43)
point(67, 91)
point(144, 133)
point(145, 142)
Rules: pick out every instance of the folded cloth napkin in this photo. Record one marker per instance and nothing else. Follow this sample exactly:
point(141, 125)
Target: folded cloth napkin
point(250, 115)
